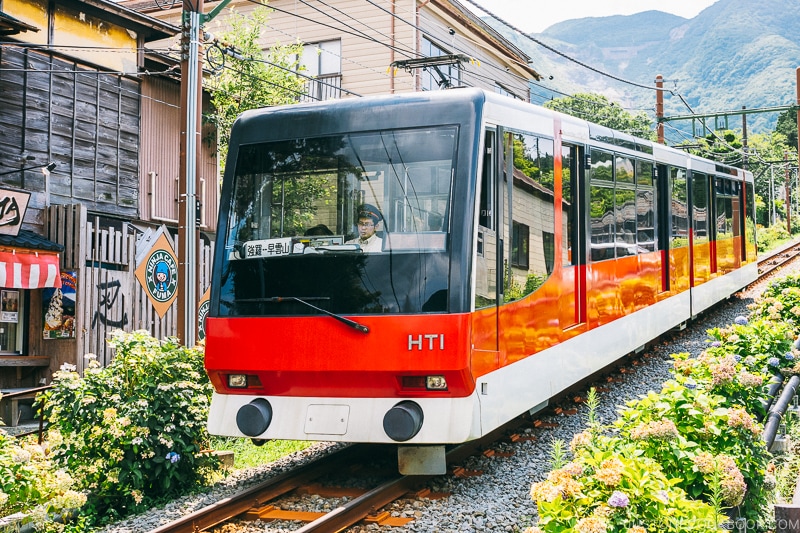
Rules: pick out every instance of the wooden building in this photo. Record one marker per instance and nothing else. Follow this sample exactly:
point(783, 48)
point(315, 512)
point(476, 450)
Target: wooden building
point(354, 48)
point(89, 132)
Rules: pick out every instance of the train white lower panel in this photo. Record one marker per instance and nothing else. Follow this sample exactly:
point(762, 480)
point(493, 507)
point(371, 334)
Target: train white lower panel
point(447, 420)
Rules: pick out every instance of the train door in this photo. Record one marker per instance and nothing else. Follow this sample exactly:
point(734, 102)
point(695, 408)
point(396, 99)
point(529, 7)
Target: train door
point(488, 259)
point(573, 242)
point(700, 236)
point(674, 228)
point(541, 287)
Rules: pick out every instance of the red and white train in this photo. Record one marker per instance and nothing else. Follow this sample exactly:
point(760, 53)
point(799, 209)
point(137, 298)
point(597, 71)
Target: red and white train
point(419, 269)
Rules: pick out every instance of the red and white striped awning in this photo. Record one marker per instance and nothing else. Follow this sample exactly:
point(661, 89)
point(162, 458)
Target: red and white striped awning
point(29, 269)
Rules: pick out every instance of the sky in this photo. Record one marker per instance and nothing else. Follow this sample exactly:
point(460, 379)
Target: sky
point(533, 16)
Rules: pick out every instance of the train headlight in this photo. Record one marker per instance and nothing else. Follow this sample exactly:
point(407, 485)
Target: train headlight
point(237, 381)
point(423, 382)
point(243, 381)
point(435, 383)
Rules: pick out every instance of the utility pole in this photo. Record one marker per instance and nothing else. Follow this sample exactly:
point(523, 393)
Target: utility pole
point(797, 89)
point(188, 204)
point(660, 108)
point(772, 193)
point(189, 207)
point(788, 194)
point(744, 138)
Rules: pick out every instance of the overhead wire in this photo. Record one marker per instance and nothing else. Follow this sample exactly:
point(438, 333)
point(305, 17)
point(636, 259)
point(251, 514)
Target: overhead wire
point(739, 152)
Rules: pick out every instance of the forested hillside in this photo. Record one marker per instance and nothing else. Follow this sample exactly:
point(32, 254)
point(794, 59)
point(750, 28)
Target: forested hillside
point(734, 53)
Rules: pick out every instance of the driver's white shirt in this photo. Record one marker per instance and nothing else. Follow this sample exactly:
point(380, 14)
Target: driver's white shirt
point(371, 244)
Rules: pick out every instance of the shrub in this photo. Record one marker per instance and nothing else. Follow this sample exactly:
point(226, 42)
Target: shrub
point(131, 433)
point(768, 238)
point(781, 302)
point(686, 429)
point(610, 487)
point(29, 484)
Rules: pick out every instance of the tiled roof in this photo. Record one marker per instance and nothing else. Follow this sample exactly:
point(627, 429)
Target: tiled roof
point(31, 240)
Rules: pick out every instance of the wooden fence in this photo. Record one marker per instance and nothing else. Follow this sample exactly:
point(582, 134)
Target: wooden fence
point(108, 295)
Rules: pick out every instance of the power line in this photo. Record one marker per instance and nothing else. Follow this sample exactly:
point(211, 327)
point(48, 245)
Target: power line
point(562, 54)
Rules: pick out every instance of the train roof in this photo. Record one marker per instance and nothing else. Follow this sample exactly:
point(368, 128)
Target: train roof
point(359, 114)
point(453, 105)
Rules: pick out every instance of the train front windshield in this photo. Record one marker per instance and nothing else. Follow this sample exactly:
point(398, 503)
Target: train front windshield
point(349, 223)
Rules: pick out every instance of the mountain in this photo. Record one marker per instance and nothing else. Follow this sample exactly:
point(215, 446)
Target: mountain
point(734, 53)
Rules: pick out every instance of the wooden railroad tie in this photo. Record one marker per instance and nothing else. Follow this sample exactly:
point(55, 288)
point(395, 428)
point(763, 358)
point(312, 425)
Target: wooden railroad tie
point(270, 512)
point(428, 494)
point(330, 492)
point(516, 437)
point(386, 519)
point(460, 471)
point(497, 453)
point(561, 411)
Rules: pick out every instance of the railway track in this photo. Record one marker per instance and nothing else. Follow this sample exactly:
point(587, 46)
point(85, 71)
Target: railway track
point(278, 497)
point(272, 499)
point(770, 263)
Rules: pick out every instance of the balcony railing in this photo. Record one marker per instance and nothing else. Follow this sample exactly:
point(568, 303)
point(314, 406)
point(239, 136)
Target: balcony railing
point(324, 87)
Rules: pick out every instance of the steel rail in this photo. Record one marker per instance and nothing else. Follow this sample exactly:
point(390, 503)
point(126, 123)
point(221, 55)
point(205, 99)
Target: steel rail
point(778, 258)
point(257, 495)
point(342, 517)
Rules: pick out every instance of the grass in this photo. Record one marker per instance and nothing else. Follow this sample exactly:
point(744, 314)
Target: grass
point(248, 455)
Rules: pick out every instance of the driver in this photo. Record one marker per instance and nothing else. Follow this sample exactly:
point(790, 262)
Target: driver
point(368, 218)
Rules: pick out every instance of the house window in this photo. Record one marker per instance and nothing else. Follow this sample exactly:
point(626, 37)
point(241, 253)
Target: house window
point(520, 239)
point(322, 61)
point(549, 248)
point(441, 76)
point(11, 310)
point(500, 89)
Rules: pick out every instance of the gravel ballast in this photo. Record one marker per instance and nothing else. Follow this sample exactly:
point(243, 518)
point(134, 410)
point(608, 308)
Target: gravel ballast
point(499, 499)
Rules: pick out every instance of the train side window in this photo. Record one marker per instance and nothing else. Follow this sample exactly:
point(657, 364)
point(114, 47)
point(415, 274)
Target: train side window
point(645, 206)
point(602, 220)
point(700, 229)
point(623, 170)
point(679, 212)
point(602, 166)
point(625, 219)
point(645, 219)
point(644, 172)
point(487, 201)
point(724, 204)
point(569, 205)
point(750, 221)
point(530, 210)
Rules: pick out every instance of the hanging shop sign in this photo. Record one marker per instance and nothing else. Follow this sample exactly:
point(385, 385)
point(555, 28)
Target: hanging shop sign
point(13, 205)
point(202, 313)
point(9, 306)
point(59, 306)
point(158, 275)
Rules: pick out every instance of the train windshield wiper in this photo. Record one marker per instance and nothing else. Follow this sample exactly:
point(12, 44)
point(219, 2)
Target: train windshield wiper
point(352, 323)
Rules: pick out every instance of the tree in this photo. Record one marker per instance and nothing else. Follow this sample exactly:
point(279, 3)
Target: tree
point(600, 110)
point(248, 77)
point(787, 125)
point(724, 146)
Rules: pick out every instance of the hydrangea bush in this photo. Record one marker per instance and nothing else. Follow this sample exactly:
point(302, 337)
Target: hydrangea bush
point(132, 433)
point(31, 485)
point(609, 486)
point(681, 427)
point(695, 449)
